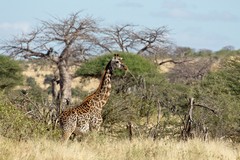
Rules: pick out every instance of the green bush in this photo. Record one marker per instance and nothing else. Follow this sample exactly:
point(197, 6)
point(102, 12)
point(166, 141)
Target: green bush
point(35, 92)
point(10, 73)
point(17, 125)
point(220, 91)
point(134, 93)
point(137, 65)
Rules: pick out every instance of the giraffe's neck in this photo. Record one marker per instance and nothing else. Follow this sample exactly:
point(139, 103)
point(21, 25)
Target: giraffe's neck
point(99, 98)
point(102, 94)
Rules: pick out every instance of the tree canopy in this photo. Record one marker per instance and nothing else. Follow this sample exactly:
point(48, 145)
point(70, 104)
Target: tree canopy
point(137, 65)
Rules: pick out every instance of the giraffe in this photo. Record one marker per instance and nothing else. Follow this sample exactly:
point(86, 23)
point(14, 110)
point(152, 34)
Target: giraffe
point(87, 116)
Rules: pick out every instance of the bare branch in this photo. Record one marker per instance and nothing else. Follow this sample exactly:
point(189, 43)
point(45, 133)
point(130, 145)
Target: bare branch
point(119, 36)
point(149, 38)
point(173, 61)
point(206, 107)
point(191, 71)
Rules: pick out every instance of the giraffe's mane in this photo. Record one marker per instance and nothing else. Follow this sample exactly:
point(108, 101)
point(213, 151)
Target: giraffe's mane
point(89, 97)
point(100, 84)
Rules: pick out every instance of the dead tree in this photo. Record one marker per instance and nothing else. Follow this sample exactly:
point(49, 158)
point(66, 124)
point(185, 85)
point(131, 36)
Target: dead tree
point(130, 38)
point(60, 41)
point(190, 70)
point(157, 126)
point(188, 129)
point(150, 39)
point(119, 37)
point(130, 130)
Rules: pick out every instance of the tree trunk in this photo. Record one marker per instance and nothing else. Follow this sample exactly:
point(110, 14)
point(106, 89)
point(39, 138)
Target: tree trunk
point(130, 131)
point(65, 95)
point(54, 89)
point(155, 135)
point(187, 130)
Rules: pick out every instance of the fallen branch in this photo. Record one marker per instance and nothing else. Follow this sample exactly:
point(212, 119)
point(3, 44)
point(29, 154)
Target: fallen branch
point(173, 61)
point(206, 107)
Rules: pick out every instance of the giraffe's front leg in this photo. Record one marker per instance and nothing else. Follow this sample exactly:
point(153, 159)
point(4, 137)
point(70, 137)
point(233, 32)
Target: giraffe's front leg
point(95, 124)
point(82, 129)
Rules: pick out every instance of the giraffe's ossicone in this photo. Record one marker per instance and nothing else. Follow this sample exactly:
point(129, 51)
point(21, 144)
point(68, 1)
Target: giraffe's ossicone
point(88, 115)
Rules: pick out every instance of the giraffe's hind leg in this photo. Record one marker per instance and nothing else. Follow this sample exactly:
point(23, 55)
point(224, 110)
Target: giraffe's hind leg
point(65, 136)
point(67, 129)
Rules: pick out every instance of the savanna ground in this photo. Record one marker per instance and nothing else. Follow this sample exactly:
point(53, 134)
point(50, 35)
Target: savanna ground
point(102, 148)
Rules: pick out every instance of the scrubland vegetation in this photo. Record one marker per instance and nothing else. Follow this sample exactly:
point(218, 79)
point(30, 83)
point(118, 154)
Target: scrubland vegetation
point(173, 102)
point(27, 131)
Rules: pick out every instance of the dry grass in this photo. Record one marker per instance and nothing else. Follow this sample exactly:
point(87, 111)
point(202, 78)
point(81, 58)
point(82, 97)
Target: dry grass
point(106, 149)
point(39, 72)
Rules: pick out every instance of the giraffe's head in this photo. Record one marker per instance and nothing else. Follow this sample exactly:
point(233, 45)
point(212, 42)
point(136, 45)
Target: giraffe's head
point(116, 63)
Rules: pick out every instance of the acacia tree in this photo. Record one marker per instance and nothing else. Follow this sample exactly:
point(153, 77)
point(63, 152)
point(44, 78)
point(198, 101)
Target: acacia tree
point(151, 39)
point(131, 38)
point(119, 37)
point(61, 41)
point(65, 41)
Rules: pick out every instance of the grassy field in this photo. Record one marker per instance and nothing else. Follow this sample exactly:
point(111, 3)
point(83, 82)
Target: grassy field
point(106, 149)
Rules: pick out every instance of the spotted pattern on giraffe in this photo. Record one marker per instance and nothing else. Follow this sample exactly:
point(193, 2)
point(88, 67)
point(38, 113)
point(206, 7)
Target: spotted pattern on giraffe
point(88, 115)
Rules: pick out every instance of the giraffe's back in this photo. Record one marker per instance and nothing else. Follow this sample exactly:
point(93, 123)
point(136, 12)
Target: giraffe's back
point(76, 120)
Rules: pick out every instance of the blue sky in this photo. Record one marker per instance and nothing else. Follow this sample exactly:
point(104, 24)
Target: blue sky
point(199, 24)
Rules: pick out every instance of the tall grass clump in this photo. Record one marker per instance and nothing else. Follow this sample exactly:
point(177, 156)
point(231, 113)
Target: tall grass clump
point(115, 149)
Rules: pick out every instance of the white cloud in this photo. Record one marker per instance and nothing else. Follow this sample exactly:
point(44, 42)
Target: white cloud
point(15, 27)
point(198, 38)
point(182, 14)
point(173, 4)
point(129, 4)
point(217, 16)
point(182, 11)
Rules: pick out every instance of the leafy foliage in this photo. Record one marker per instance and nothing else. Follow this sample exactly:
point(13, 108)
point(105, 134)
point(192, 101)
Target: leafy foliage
point(136, 64)
point(17, 125)
point(10, 73)
point(35, 92)
point(220, 90)
point(134, 93)
point(142, 93)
